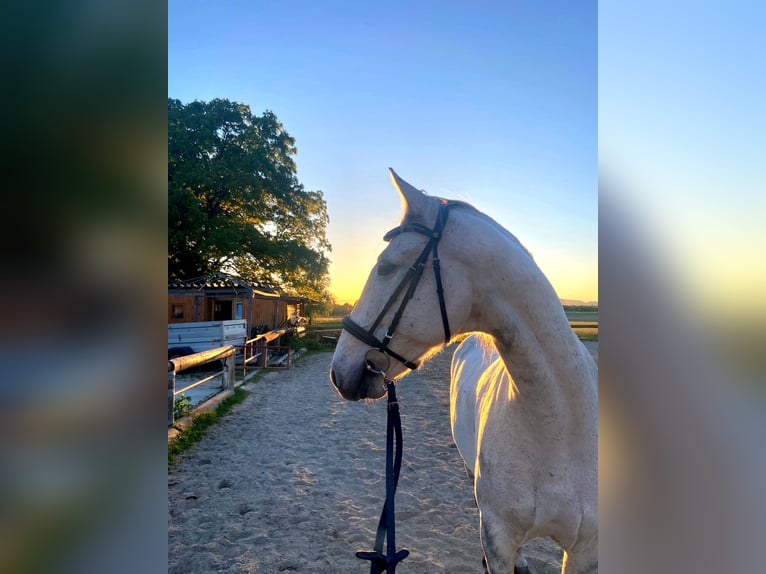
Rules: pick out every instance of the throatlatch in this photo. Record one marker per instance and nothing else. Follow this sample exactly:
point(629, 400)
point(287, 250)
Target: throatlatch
point(377, 362)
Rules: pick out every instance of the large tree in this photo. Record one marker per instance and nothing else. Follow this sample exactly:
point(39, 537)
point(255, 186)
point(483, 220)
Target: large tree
point(235, 202)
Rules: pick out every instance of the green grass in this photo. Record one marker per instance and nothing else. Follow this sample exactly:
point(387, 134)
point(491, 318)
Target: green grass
point(312, 344)
point(587, 336)
point(201, 422)
point(325, 323)
point(584, 321)
point(585, 330)
point(312, 341)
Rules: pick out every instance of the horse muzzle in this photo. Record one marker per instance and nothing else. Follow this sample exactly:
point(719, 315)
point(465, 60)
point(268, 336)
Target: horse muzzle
point(362, 385)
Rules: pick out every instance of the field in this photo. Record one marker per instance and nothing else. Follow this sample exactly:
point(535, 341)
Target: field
point(325, 323)
point(584, 321)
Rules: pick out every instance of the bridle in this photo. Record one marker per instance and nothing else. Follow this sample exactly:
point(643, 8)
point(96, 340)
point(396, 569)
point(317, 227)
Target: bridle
point(376, 362)
point(410, 282)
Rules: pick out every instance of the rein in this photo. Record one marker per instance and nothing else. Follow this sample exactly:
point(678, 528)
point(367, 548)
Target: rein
point(377, 362)
point(410, 282)
point(380, 562)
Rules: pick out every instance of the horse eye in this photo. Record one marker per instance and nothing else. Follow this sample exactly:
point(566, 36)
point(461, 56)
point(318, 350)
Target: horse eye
point(386, 268)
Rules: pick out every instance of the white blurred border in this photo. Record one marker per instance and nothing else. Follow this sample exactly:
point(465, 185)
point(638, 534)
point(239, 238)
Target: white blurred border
point(681, 275)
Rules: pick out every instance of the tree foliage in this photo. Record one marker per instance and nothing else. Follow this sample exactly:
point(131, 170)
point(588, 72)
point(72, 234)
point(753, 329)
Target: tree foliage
point(235, 202)
point(322, 306)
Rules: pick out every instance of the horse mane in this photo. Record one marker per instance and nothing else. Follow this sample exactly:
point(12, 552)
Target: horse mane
point(468, 207)
point(486, 341)
point(487, 345)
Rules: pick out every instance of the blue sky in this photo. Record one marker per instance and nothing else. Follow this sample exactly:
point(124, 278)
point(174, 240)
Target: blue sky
point(494, 103)
point(682, 134)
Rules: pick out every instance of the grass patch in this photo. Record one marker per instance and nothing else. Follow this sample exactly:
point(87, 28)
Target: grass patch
point(312, 344)
point(586, 329)
point(587, 336)
point(325, 323)
point(583, 319)
point(201, 422)
point(586, 333)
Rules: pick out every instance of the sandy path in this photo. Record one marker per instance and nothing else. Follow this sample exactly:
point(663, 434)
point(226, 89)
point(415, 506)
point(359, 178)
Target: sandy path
point(292, 480)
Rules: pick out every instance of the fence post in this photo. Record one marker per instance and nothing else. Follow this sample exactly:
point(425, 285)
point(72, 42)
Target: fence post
point(247, 348)
point(171, 392)
point(227, 372)
point(263, 348)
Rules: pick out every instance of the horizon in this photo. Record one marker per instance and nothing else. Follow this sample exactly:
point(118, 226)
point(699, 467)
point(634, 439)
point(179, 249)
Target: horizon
point(564, 303)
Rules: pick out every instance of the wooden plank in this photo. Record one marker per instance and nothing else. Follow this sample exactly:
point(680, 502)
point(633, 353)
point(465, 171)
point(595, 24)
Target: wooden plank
point(182, 363)
point(271, 335)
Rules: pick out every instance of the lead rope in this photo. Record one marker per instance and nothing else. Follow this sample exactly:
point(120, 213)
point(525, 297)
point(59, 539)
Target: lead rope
point(380, 562)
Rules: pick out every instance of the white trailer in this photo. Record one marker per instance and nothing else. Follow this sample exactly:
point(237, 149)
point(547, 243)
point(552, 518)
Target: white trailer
point(186, 338)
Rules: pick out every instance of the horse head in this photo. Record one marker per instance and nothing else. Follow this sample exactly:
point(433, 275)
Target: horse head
point(416, 296)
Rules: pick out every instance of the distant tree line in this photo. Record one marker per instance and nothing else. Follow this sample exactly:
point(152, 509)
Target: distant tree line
point(235, 203)
point(341, 310)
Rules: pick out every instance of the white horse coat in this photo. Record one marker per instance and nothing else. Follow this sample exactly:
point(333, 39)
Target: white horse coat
point(525, 415)
point(538, 482)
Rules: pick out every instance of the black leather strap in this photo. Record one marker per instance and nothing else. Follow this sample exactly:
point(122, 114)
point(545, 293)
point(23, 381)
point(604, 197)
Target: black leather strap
point(368, 338)
point(410, 282)
point(380, 562)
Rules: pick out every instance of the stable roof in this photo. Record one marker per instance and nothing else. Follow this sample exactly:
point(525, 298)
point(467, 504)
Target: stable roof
point(222, 282)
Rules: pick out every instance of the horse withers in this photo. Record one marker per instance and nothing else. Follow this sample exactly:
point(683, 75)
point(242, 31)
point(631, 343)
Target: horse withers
point(523, 394)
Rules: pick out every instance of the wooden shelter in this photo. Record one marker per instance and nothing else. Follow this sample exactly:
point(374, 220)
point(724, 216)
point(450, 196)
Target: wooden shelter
point(292, 306)
point(220, 297)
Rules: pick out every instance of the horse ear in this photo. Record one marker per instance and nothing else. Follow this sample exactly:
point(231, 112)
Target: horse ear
point(413, 200)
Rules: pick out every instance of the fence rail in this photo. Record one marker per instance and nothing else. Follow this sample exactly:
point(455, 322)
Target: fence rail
point(224, 354)
point(256, 353)
point(257, 349)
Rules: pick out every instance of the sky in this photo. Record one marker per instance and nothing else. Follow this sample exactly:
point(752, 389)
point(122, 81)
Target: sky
point(682, 141)
point(492, 103)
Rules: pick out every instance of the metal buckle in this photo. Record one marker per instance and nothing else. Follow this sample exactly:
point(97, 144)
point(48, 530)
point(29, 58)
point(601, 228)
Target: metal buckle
point(376, 361)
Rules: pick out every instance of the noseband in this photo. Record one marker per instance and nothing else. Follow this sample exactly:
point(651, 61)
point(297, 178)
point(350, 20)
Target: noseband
point(410, 282)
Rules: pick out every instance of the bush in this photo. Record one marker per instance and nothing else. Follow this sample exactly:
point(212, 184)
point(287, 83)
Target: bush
point(182, 406)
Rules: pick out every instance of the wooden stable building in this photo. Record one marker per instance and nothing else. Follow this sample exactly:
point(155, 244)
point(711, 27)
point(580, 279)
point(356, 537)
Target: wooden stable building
point(221, 297)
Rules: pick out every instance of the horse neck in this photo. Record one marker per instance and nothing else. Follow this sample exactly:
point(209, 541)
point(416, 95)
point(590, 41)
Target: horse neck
point(516, 304)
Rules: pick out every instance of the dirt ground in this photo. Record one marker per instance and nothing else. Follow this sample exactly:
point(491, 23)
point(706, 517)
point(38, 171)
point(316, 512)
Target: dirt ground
point(293, 480)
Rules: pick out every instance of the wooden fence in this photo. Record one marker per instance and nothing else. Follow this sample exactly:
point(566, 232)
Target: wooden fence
point(257, 349)
point(256, 353)
point(224, 354)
